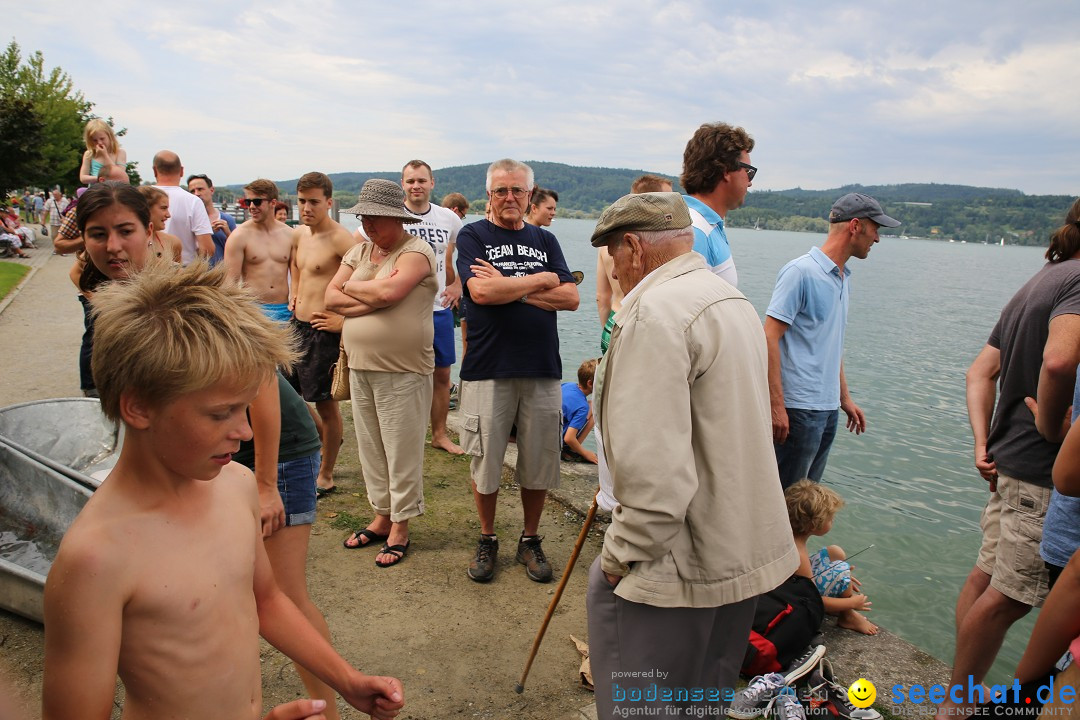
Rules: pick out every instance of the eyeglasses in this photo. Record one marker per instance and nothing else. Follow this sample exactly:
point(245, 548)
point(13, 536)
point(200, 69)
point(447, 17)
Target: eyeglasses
point(249, 202)
point(751, 171)
point(518, 192)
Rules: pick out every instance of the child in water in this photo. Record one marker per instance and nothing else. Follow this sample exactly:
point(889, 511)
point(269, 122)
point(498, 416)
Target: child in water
point(102, 150)
point(811, 509)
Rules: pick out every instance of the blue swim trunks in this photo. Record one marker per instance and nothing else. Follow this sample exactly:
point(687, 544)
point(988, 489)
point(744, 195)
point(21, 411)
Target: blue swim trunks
point(277, 311)
point(832, 578)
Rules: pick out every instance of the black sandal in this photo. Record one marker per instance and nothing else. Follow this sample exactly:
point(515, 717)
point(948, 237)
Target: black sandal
point(372, 538)
point(398, 551)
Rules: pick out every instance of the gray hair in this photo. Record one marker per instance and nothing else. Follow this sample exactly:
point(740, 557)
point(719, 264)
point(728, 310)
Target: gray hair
point(509, 165)
point(652, 238)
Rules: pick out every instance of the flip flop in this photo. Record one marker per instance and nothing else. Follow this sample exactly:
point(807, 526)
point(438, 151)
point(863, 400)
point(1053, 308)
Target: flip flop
point(321, 492)
point(398, 551)
point(372, 538)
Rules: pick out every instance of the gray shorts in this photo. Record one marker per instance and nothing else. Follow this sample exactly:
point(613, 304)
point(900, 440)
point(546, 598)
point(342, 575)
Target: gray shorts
point(489, 408)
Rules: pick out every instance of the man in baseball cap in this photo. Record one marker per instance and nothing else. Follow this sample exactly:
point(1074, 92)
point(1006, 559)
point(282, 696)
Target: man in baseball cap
point(698, 524)
point(804, 326)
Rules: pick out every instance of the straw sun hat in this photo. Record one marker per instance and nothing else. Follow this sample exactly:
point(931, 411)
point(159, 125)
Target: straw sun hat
point(382, 198)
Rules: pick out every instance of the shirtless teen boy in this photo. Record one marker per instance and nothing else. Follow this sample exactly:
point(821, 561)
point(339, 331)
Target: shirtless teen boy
point(163, 578)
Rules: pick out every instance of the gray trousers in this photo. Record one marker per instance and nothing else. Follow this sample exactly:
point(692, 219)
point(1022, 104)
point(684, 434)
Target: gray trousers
point(666, 659)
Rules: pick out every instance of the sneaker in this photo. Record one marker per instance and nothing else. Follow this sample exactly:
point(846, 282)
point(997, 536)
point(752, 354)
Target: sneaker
point(826, 696)
point(801, 666)
point(755, 700)
point(787, 707)
point(482, 568)
point(531, 555)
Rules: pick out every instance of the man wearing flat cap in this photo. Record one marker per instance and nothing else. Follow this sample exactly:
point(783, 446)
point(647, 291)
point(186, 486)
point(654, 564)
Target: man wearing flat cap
point(699, 529)
point(804, 326)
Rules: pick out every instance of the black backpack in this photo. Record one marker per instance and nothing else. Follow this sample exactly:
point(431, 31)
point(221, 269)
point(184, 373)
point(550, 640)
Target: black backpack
point(785, 622)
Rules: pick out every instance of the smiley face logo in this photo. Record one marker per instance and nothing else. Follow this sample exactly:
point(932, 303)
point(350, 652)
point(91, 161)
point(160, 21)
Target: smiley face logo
point(862, 693)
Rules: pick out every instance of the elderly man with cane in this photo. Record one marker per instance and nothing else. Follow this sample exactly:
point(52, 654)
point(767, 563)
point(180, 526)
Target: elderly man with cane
point(700, 527)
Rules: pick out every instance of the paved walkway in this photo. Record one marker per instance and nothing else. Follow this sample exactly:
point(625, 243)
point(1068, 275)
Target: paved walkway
point(40, 331)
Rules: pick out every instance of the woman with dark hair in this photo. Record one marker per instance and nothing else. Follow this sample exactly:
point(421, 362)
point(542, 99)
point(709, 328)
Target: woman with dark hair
point(542, 206)
point(126, 208)
point(1065, 242)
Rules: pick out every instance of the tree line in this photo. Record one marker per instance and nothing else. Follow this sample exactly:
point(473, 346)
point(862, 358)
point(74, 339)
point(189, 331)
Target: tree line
point(42, 116)
point(932, 210)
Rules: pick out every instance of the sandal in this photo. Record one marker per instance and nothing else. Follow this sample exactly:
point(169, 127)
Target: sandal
point(372, 538)
point(321, 492)
point(398, 551)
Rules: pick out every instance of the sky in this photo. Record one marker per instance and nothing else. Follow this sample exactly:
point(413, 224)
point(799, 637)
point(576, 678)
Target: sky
point(833, 93)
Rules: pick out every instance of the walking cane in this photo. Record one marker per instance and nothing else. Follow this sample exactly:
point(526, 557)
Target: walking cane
point(520, 687)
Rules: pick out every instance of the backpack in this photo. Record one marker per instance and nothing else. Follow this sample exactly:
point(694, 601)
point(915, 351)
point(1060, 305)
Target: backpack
point(785, 622)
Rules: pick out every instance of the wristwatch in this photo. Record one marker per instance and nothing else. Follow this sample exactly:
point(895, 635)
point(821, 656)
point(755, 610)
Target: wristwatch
point(523, 298)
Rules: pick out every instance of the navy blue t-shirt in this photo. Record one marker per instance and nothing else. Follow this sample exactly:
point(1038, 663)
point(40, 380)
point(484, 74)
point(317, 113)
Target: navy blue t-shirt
point(515, 339)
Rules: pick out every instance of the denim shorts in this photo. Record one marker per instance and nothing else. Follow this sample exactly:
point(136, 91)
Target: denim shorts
point(296, 485)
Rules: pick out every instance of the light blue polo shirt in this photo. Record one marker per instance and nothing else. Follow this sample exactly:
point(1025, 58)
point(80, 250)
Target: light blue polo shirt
point(811, 297)
point(710, 239)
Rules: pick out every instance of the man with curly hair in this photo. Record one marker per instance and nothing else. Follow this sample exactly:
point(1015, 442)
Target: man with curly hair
point(716, 175)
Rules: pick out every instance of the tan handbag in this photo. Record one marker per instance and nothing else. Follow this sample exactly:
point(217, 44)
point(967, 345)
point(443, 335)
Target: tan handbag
point(339, 386)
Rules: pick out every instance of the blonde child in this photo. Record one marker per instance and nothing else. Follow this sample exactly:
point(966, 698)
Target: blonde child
point(163, 578)
point(102, 150)
point(811, 509)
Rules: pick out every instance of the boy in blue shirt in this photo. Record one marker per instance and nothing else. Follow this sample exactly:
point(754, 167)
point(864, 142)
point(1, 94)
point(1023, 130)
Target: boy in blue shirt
point(577, 414)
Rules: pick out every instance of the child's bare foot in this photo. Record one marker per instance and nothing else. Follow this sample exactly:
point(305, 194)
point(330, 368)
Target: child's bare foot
point(445, 443)
point(852, 620)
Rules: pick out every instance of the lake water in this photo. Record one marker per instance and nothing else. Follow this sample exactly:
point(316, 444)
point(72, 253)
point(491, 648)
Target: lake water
point(920, 312)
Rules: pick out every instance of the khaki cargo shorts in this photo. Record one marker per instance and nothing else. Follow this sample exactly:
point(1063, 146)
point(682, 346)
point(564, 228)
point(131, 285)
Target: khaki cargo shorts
point(1012, 524)
point(489, 408)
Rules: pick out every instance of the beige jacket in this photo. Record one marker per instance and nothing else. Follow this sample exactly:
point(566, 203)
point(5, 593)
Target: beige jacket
point(683, 404)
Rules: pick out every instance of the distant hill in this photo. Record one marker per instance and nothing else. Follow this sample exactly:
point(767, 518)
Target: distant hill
point(960, 212)
point(583, 191)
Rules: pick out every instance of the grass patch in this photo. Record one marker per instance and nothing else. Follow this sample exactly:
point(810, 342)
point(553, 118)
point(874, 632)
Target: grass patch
point(10, 275)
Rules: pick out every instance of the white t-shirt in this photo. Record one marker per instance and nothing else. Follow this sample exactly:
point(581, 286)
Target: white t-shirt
point(188, 219)
point(439, 226)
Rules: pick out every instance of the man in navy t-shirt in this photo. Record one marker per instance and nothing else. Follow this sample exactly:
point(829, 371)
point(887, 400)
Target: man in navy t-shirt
point(514, 278)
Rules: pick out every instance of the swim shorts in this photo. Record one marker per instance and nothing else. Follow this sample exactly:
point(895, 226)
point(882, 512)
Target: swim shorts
point(277, 311)
point(311, 376)
point(445, 354)
point(832, 578)
point(605, 336)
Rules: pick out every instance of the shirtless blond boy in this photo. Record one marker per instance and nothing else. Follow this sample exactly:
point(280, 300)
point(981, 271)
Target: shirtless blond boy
point(317, 248)
point(259, 251)
point(163, 578)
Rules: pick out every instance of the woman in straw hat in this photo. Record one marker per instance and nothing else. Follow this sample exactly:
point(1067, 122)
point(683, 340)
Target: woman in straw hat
point(385, 288)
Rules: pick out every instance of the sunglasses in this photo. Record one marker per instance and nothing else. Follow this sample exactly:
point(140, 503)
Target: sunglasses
point(751, 171)
point(252, 202)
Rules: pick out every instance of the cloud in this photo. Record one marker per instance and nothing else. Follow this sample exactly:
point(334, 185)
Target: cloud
point(833, 92)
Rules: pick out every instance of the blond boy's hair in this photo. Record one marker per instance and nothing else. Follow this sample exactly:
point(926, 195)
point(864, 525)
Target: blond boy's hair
point(810, 506)
point(586, 372)
point(169, 331)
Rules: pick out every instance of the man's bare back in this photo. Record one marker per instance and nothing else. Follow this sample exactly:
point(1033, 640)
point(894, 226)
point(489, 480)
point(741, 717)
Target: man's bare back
point(317, 253)
point(157, 587)
point(260, 253)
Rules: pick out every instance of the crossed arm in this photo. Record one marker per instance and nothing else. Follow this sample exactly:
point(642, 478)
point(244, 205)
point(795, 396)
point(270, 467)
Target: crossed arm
point(544, 290)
